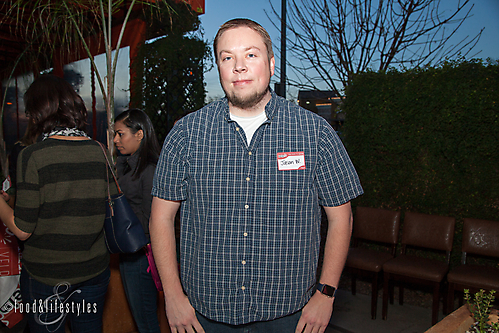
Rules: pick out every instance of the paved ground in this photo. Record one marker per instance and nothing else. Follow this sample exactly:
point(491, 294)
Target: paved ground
point(352, 314)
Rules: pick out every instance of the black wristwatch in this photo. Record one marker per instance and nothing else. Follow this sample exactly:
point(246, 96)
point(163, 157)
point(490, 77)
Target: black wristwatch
point(326, 289)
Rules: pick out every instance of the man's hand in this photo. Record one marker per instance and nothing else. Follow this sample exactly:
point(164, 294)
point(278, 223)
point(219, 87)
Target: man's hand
point(315, 314)
point(182, 316)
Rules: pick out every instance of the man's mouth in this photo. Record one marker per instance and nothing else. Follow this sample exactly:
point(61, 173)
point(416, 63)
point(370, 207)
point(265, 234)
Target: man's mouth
point(241, 82)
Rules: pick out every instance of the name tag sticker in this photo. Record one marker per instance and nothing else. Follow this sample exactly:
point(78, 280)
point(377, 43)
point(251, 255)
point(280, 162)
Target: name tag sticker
point(291, 161)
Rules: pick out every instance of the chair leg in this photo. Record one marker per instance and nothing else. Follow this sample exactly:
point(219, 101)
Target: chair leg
point(436, 302)
point(374, 296)
point(401, 295)
point(386, 282)
point(354, 285)
point(450, 298)
point(391, 288)
point(445, 299)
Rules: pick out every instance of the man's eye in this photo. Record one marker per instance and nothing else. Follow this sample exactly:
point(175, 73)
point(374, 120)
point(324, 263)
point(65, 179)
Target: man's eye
point(251, 55)
point(226, 58)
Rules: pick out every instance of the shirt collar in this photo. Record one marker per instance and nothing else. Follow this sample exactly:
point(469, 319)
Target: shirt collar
point(131, 160)
point(272, 106)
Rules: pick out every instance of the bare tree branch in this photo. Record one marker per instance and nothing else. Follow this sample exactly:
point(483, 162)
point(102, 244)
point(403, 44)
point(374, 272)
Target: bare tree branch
point(329, 40)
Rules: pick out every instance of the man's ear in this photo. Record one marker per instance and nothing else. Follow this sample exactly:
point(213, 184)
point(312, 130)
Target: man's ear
point(272, 66)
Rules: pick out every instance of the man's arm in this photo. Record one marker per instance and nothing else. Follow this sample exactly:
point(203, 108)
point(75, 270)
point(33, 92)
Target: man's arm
point(317, 312)
point(179, 311)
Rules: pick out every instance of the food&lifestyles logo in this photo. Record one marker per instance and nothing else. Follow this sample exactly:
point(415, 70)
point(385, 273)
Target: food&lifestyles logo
point(54, 309)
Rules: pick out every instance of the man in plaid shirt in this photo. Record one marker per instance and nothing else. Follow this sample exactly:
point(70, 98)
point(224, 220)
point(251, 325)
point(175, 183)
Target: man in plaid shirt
point(250, 173)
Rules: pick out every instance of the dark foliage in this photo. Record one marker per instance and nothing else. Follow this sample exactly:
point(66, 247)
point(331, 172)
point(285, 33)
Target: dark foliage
point(172, 69)
point(426, 140)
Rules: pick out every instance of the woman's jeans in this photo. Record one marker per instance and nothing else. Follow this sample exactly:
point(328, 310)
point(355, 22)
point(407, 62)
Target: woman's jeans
point(48, 307)
point(140, 291)
point(285, 324)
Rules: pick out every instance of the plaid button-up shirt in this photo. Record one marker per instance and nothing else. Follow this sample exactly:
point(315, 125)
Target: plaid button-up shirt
point(250, 231)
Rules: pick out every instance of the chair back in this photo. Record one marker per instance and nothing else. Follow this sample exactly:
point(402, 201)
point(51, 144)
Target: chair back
point(481, 237)
point(428, 231)
point(376, 224)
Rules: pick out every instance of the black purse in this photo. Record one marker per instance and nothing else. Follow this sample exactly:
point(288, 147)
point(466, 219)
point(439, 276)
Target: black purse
point(122, 228)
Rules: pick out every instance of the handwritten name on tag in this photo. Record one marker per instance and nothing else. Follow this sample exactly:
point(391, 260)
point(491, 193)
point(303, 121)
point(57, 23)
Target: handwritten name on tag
point(291, 161)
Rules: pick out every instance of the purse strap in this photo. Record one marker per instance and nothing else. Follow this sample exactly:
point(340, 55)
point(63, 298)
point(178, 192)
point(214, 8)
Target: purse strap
point(109, 167)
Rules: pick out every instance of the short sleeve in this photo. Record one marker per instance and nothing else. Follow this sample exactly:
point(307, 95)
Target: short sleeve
point(336, 178)
point(170, 178)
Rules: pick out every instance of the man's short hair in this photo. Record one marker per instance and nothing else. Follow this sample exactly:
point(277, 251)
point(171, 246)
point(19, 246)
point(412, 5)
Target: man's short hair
point(241, 22)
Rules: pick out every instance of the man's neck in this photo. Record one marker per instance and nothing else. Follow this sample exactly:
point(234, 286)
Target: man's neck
point(252, 111)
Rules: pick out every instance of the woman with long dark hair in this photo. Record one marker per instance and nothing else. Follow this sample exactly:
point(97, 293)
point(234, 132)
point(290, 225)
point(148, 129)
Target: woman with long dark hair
point(59, 213)
point(136, 140)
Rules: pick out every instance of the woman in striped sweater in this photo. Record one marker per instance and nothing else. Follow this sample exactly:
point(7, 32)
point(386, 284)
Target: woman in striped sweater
point(59, 212)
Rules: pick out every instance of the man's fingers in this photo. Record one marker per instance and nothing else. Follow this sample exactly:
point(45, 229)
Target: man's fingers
point(198, 327)
point(301, 325)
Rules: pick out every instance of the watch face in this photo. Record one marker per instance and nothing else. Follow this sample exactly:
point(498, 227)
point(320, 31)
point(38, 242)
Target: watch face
point(328, 290)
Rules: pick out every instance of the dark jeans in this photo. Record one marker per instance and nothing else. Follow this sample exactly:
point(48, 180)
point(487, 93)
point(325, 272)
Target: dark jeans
point(140, 291)
point(285, 324)
point(48, 307)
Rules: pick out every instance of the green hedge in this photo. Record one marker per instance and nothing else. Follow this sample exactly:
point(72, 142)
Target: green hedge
point(427, 140)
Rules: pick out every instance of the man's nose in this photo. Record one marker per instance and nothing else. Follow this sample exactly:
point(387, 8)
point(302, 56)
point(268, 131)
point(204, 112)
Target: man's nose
point(240, 66)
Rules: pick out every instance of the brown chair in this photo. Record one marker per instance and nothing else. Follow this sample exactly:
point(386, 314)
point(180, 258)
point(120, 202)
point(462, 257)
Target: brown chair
point(372, 226)
point(428, 234)
point(480, 240)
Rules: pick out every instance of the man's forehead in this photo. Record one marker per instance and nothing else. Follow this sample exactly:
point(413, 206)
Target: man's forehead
point(243, 30)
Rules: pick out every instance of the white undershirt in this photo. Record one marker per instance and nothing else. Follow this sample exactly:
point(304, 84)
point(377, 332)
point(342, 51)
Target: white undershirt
point(250, 124)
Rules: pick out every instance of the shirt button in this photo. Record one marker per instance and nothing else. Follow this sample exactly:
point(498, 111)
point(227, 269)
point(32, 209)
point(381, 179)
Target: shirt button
point(245, 234)
point(246, 206)
point(249, 153)
point(237, 128)
point(243, 262)
point(248, 178)
point(243, 288)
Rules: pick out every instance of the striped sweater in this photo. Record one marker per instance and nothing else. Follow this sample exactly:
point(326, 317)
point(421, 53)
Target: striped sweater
point(61, 195)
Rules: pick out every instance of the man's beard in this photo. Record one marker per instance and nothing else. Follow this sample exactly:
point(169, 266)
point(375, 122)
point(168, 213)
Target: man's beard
point(246, 102)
